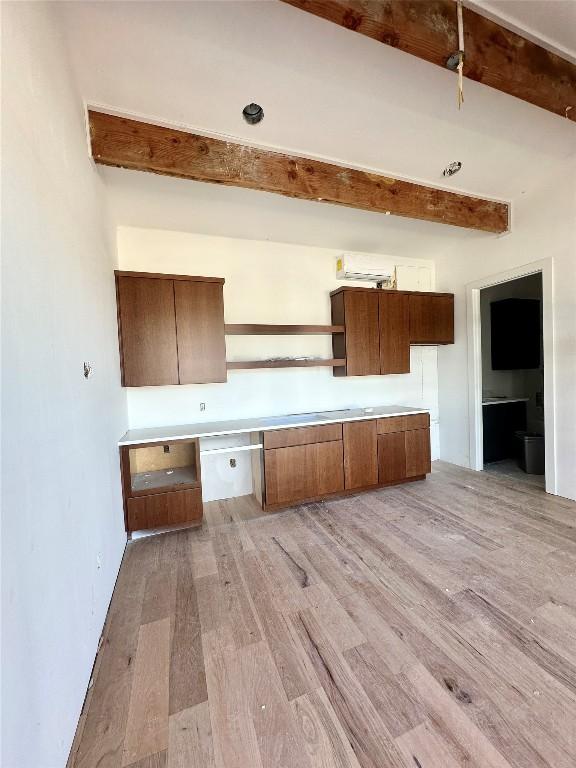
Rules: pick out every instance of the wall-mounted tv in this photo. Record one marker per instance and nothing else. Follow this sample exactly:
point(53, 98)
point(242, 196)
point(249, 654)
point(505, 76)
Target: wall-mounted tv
point(515, 334)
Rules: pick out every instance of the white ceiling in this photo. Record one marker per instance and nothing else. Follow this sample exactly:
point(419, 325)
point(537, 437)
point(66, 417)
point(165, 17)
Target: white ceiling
point(550, 22)
point(326, 93)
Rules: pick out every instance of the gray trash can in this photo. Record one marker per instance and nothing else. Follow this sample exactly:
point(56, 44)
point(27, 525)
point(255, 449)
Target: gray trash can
point(530, 452)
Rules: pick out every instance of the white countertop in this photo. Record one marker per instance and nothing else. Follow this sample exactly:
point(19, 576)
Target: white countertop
point(500, 400)
point(238, 426)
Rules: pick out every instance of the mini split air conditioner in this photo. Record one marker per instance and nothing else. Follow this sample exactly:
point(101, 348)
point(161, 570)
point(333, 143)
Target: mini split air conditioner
point(358, 266)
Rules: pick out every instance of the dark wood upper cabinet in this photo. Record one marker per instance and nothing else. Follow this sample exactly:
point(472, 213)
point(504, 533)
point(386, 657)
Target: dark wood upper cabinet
point(360, 454)
point(147, 331)
point(394, 318)
point(360, 343)
point(380, 326)
point(171, 329)
point(200, 331)
point(431, 318)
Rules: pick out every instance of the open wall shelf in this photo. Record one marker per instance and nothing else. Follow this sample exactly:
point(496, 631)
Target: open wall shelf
point(245, 364)
point(239, 329)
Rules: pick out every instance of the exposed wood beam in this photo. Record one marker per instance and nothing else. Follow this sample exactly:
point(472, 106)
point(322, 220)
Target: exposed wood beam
point(495, 56)
point(125, 143)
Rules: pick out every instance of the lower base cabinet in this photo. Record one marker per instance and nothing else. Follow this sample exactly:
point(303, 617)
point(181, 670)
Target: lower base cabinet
point(302, 472)
point(371, 453)
point(161, 484)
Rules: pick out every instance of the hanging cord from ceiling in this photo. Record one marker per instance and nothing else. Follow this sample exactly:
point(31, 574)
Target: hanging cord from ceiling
point(460, 55)
point(455, 61)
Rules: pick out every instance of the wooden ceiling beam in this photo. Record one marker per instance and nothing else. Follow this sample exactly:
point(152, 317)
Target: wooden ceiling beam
point(494, 55)
point(126, 143)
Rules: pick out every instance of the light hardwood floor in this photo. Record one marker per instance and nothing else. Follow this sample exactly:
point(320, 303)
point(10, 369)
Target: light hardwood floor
point(430, 625)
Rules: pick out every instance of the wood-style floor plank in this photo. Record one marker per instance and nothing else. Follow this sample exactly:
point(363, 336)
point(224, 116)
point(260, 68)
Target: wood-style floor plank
point(430, 625)
point(147, 726)
point(187, 676)
point(426, 749)
point(372, 743)
point(190, 742)
point(324, 738)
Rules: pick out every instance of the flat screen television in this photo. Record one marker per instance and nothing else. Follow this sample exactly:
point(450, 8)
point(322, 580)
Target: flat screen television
point(515, 334)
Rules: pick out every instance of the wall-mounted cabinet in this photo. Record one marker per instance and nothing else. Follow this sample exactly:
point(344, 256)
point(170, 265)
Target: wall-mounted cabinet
point(170, 329)
point(380, 326)
point(431, 318)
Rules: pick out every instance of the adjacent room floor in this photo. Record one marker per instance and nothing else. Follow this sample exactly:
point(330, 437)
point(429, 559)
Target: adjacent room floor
point(510, 468)
point(430, 625)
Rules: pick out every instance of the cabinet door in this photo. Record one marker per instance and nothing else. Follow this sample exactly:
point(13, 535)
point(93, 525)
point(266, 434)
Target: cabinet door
point(362, 333)
point(147, 331)
point(418, 452)
point(360, 454)
point(200, 331)
point(391, 457)
point(303, 472)
point(431, 319)
point(394, 314)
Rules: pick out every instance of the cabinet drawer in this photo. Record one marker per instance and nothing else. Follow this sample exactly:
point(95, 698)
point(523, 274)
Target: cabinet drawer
point(391, 424)
point(164, 509)
point(284, 438)
point(303, 472)
point(417, 421)
point(403, 423)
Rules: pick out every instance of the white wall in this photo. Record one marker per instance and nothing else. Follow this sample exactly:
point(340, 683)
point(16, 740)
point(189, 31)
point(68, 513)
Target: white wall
point(62, 531)
point(544, 226)
point(268, 282)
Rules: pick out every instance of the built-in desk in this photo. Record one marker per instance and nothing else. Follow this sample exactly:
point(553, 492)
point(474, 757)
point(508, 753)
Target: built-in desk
point(300, 457)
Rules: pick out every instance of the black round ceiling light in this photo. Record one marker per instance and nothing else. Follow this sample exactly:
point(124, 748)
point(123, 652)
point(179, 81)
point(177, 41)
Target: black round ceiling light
point(253, 113)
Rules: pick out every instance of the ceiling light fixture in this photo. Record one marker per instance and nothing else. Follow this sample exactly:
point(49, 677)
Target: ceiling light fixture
point(253, 113)
point(452, 168)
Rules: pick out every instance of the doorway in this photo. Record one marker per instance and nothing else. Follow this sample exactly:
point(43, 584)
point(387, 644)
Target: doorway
point(511, 374)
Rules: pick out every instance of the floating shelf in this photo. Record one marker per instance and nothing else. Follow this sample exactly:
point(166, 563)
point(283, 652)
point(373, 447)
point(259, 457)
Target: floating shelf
point(245, 364)
point(238, 329)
